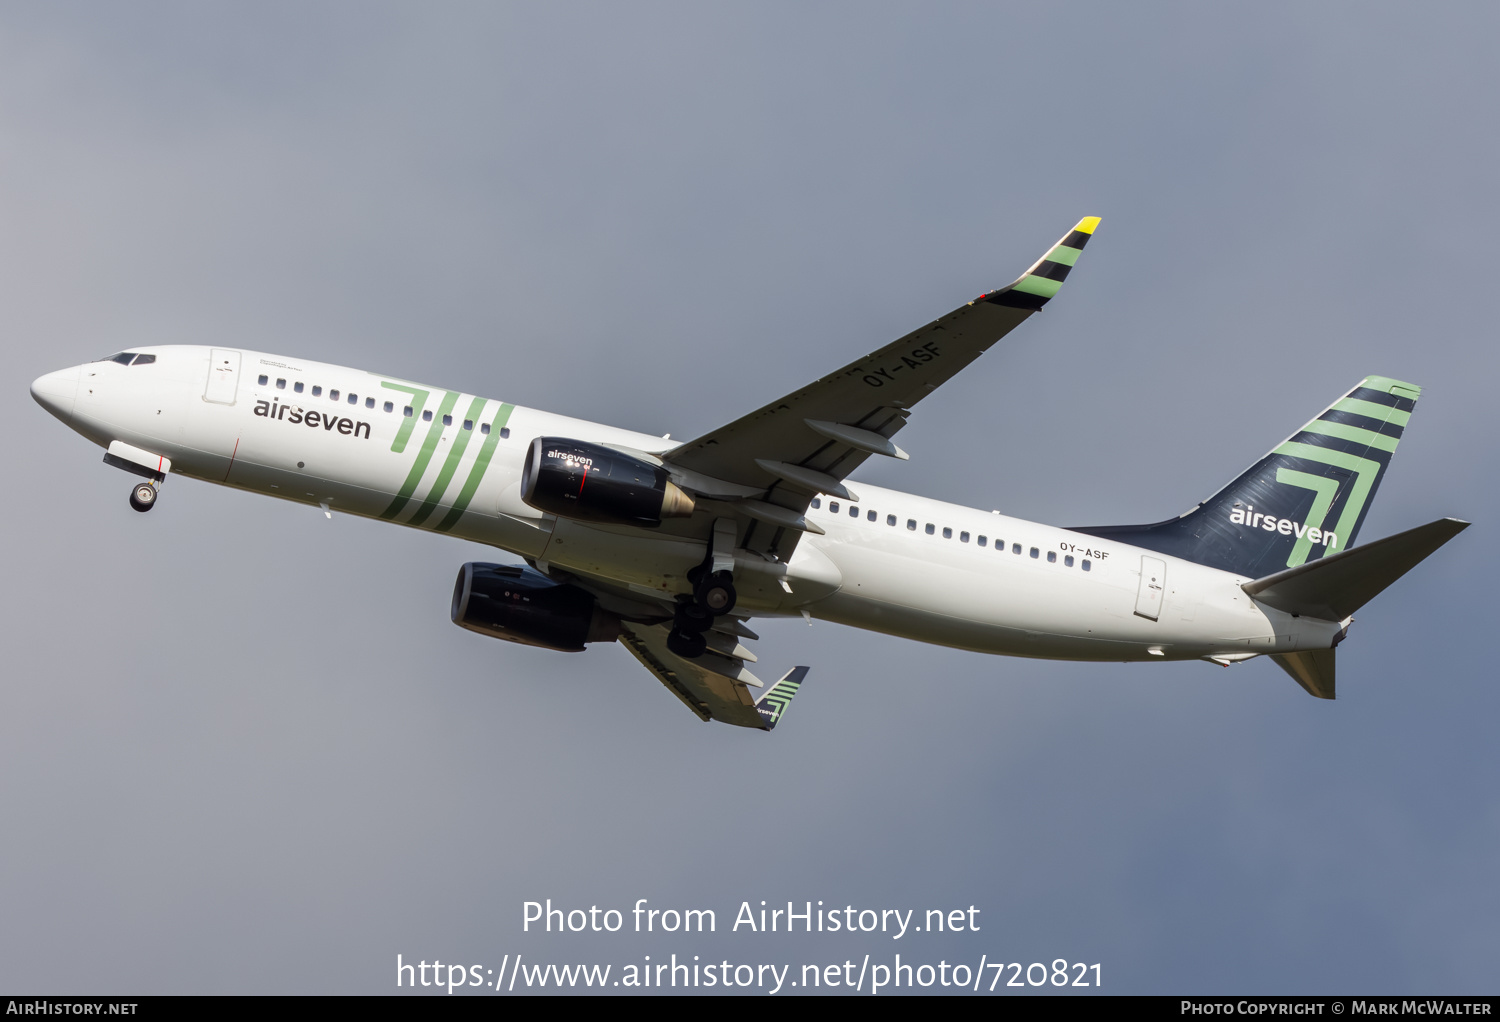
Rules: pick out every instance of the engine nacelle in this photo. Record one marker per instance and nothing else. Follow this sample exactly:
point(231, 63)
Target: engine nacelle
point(594, 483)
point(507, 601)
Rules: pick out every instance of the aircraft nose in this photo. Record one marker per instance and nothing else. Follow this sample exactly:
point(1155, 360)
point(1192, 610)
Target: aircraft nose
point(57, 391)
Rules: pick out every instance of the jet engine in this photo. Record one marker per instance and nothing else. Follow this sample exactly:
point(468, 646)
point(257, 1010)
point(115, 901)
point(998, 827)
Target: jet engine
point(507, 601)
point(594, 483)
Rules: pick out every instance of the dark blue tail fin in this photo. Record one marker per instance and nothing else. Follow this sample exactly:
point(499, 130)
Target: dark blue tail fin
point(1304, 500)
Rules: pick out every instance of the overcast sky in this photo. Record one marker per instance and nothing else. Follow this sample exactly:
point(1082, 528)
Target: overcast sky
point(242, 748)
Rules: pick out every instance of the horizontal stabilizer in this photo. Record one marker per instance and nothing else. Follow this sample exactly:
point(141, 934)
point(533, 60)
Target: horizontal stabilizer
point(1335, 586)
point(1311, 668)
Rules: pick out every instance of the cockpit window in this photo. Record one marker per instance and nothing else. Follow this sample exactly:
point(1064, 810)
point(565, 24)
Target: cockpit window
point(141, 360)
point(125, 358)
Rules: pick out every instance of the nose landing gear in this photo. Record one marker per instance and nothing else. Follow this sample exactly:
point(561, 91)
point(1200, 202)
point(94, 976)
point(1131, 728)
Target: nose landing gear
point(143, 496)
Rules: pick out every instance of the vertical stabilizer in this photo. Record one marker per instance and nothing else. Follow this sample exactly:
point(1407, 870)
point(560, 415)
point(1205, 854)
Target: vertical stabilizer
point(1304, 500)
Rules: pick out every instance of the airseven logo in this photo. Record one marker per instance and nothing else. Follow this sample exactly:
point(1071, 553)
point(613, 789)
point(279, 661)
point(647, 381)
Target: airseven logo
point(1258, 520)
point(295, 415)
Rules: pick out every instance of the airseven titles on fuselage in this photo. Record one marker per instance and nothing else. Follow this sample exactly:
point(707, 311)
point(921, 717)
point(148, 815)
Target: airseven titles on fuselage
point(1258, 520)
point(296, 414)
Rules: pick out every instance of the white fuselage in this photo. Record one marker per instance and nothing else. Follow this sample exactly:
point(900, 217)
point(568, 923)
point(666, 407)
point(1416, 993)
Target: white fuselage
point(953, 579)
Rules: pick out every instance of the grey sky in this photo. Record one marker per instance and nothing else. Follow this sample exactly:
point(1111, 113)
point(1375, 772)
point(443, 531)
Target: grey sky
point(242, 749)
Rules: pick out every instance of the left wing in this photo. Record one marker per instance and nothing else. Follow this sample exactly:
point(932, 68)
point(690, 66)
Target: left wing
point(810, 440)
point(715, 686)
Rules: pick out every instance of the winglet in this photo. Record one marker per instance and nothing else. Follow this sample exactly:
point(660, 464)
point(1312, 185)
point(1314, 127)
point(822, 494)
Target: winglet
point(774, 703)
point(1044, 279)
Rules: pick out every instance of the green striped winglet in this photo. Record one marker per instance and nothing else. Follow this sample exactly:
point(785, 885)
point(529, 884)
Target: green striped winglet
point(774, 703)
point(1044, 279)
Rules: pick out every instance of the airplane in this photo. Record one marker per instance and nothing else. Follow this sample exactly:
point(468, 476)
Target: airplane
point(670, 548)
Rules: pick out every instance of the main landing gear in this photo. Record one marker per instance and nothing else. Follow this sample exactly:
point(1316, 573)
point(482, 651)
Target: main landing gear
point(713, 594)
point(696, 615)
point(143, 496)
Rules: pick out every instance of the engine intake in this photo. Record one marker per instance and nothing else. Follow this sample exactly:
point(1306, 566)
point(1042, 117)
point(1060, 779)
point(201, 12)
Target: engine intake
point(594, 483)
point(507, 601)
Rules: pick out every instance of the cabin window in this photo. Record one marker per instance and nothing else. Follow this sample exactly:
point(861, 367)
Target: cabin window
point(369, 402)
point(930, 528)
point(833, 507)
point(853, 511)
point(354, 399)
point(468, 424)
point(983, 540)
point(963, 537)
point(1015, 548)
point(504, 432)
point(871, 516)
point(297, 387)
point(333, 395)
point(390, 407)
point(281, 384)
point(1035, 553)
point(1068, 560)
point(911, 524)
point(427, 415)
point(262, 379)
point(484, 429)
point(447, 420)
point(947, 532)
point(317, 392)
point(890, 520)
point(1051, 556)
point(406, 411)
point(1087, 565)
point(816, 503)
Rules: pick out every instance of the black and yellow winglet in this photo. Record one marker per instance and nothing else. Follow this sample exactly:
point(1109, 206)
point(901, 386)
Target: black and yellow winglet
point(1042, 281)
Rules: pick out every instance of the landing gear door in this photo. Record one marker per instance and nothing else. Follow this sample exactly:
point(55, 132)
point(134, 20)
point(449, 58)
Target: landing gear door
point(1153, 584)
point(223, 376)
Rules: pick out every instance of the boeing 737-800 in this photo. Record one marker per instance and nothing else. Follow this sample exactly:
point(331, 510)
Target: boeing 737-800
point(669, 548)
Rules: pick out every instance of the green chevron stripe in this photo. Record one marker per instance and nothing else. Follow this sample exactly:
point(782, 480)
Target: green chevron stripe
point(1325, 489)
point(408, 422)
point(481, 464)
point(1039, 286)
point(423, 457)
point(1356, 433)
point(450, 466)
point(1365, 473)
point(1065, 255)
point(1384, 413)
